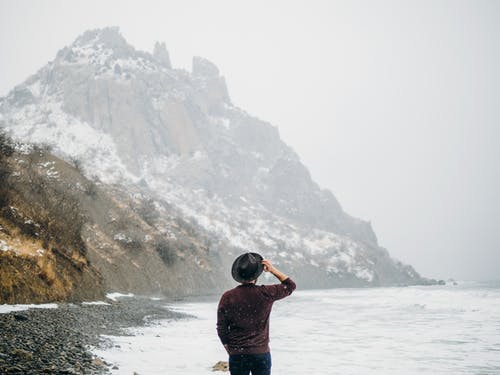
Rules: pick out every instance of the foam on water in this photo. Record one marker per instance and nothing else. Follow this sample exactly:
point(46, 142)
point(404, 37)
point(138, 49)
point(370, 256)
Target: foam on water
point(415, 330)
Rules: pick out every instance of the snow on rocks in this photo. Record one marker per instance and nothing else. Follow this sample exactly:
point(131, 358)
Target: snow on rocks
point(122, 238)
point(72, 139)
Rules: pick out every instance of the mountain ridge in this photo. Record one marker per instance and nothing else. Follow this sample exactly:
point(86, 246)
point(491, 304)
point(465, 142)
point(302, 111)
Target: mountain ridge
point(131, 120)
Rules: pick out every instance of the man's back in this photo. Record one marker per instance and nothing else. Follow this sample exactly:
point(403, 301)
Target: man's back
point(243, 316)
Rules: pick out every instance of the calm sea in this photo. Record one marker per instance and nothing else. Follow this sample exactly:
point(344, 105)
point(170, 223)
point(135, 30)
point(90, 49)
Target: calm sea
point(412, 330)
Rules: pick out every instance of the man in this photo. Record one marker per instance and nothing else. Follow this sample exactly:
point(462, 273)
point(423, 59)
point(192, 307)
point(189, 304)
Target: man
point(243, 315)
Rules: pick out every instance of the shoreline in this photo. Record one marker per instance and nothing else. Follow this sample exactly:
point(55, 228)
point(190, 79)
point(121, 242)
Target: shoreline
point(60, 340)
point(363, 325)
point(64, 340)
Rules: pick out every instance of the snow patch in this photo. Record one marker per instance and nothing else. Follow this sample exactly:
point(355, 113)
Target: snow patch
point(122, 238)
point(9, 308)
point(96, 303)
point(70, 138)
point(4, 246)
point(115, 295)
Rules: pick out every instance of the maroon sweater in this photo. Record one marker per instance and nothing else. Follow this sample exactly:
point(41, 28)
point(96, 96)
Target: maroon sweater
point(243, 316)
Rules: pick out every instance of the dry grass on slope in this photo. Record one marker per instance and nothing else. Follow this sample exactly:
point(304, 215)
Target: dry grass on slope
point(42, 255)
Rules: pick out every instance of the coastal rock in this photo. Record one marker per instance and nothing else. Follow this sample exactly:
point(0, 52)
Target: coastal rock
point(20, 317)
point(22, 354)
point(221, 366)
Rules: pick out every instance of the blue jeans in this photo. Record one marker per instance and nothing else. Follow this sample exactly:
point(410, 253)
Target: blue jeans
point(243, 364)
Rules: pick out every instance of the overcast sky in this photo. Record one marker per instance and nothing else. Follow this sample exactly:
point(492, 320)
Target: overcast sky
point(392, 105)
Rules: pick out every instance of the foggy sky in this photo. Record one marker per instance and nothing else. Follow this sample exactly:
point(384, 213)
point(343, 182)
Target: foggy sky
point(392, 105)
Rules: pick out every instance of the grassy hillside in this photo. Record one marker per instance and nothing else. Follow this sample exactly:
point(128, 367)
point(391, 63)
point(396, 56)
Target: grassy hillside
point(42, 254)
point(65, 237)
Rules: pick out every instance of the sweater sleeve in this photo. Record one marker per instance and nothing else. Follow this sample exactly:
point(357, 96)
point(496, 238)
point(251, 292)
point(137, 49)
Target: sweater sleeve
point(222, 325)
point(279, 291)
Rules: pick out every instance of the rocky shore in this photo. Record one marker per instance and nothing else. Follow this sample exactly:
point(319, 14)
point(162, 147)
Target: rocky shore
point(58, 341)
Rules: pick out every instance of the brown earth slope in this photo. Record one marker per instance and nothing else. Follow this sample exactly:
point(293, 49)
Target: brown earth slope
point(63, 237)
point(42, 255)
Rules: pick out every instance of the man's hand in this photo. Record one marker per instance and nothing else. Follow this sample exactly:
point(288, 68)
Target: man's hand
point(268, 267)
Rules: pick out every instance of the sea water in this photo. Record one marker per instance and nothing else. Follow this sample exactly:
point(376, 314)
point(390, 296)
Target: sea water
point(408, 330)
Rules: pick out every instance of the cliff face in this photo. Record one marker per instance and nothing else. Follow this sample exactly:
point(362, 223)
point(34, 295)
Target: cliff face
point(64, 237)
point(174, 138)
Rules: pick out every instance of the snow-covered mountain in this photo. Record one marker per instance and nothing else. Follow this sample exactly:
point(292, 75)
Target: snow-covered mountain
point(128, 119)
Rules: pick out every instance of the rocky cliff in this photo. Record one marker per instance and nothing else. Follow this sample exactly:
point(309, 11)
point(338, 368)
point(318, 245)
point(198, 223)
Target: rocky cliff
point(142, 128)
point(64, 237)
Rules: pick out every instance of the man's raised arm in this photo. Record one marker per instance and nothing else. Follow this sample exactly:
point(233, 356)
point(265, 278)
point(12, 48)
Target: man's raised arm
point(282, 290)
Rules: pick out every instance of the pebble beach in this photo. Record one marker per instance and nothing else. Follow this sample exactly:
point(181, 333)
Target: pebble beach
point(58, 338)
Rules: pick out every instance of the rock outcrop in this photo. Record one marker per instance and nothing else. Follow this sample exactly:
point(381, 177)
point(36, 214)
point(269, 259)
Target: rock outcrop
point(161, 55)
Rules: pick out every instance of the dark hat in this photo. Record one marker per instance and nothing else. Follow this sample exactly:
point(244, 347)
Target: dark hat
point(247, 267)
